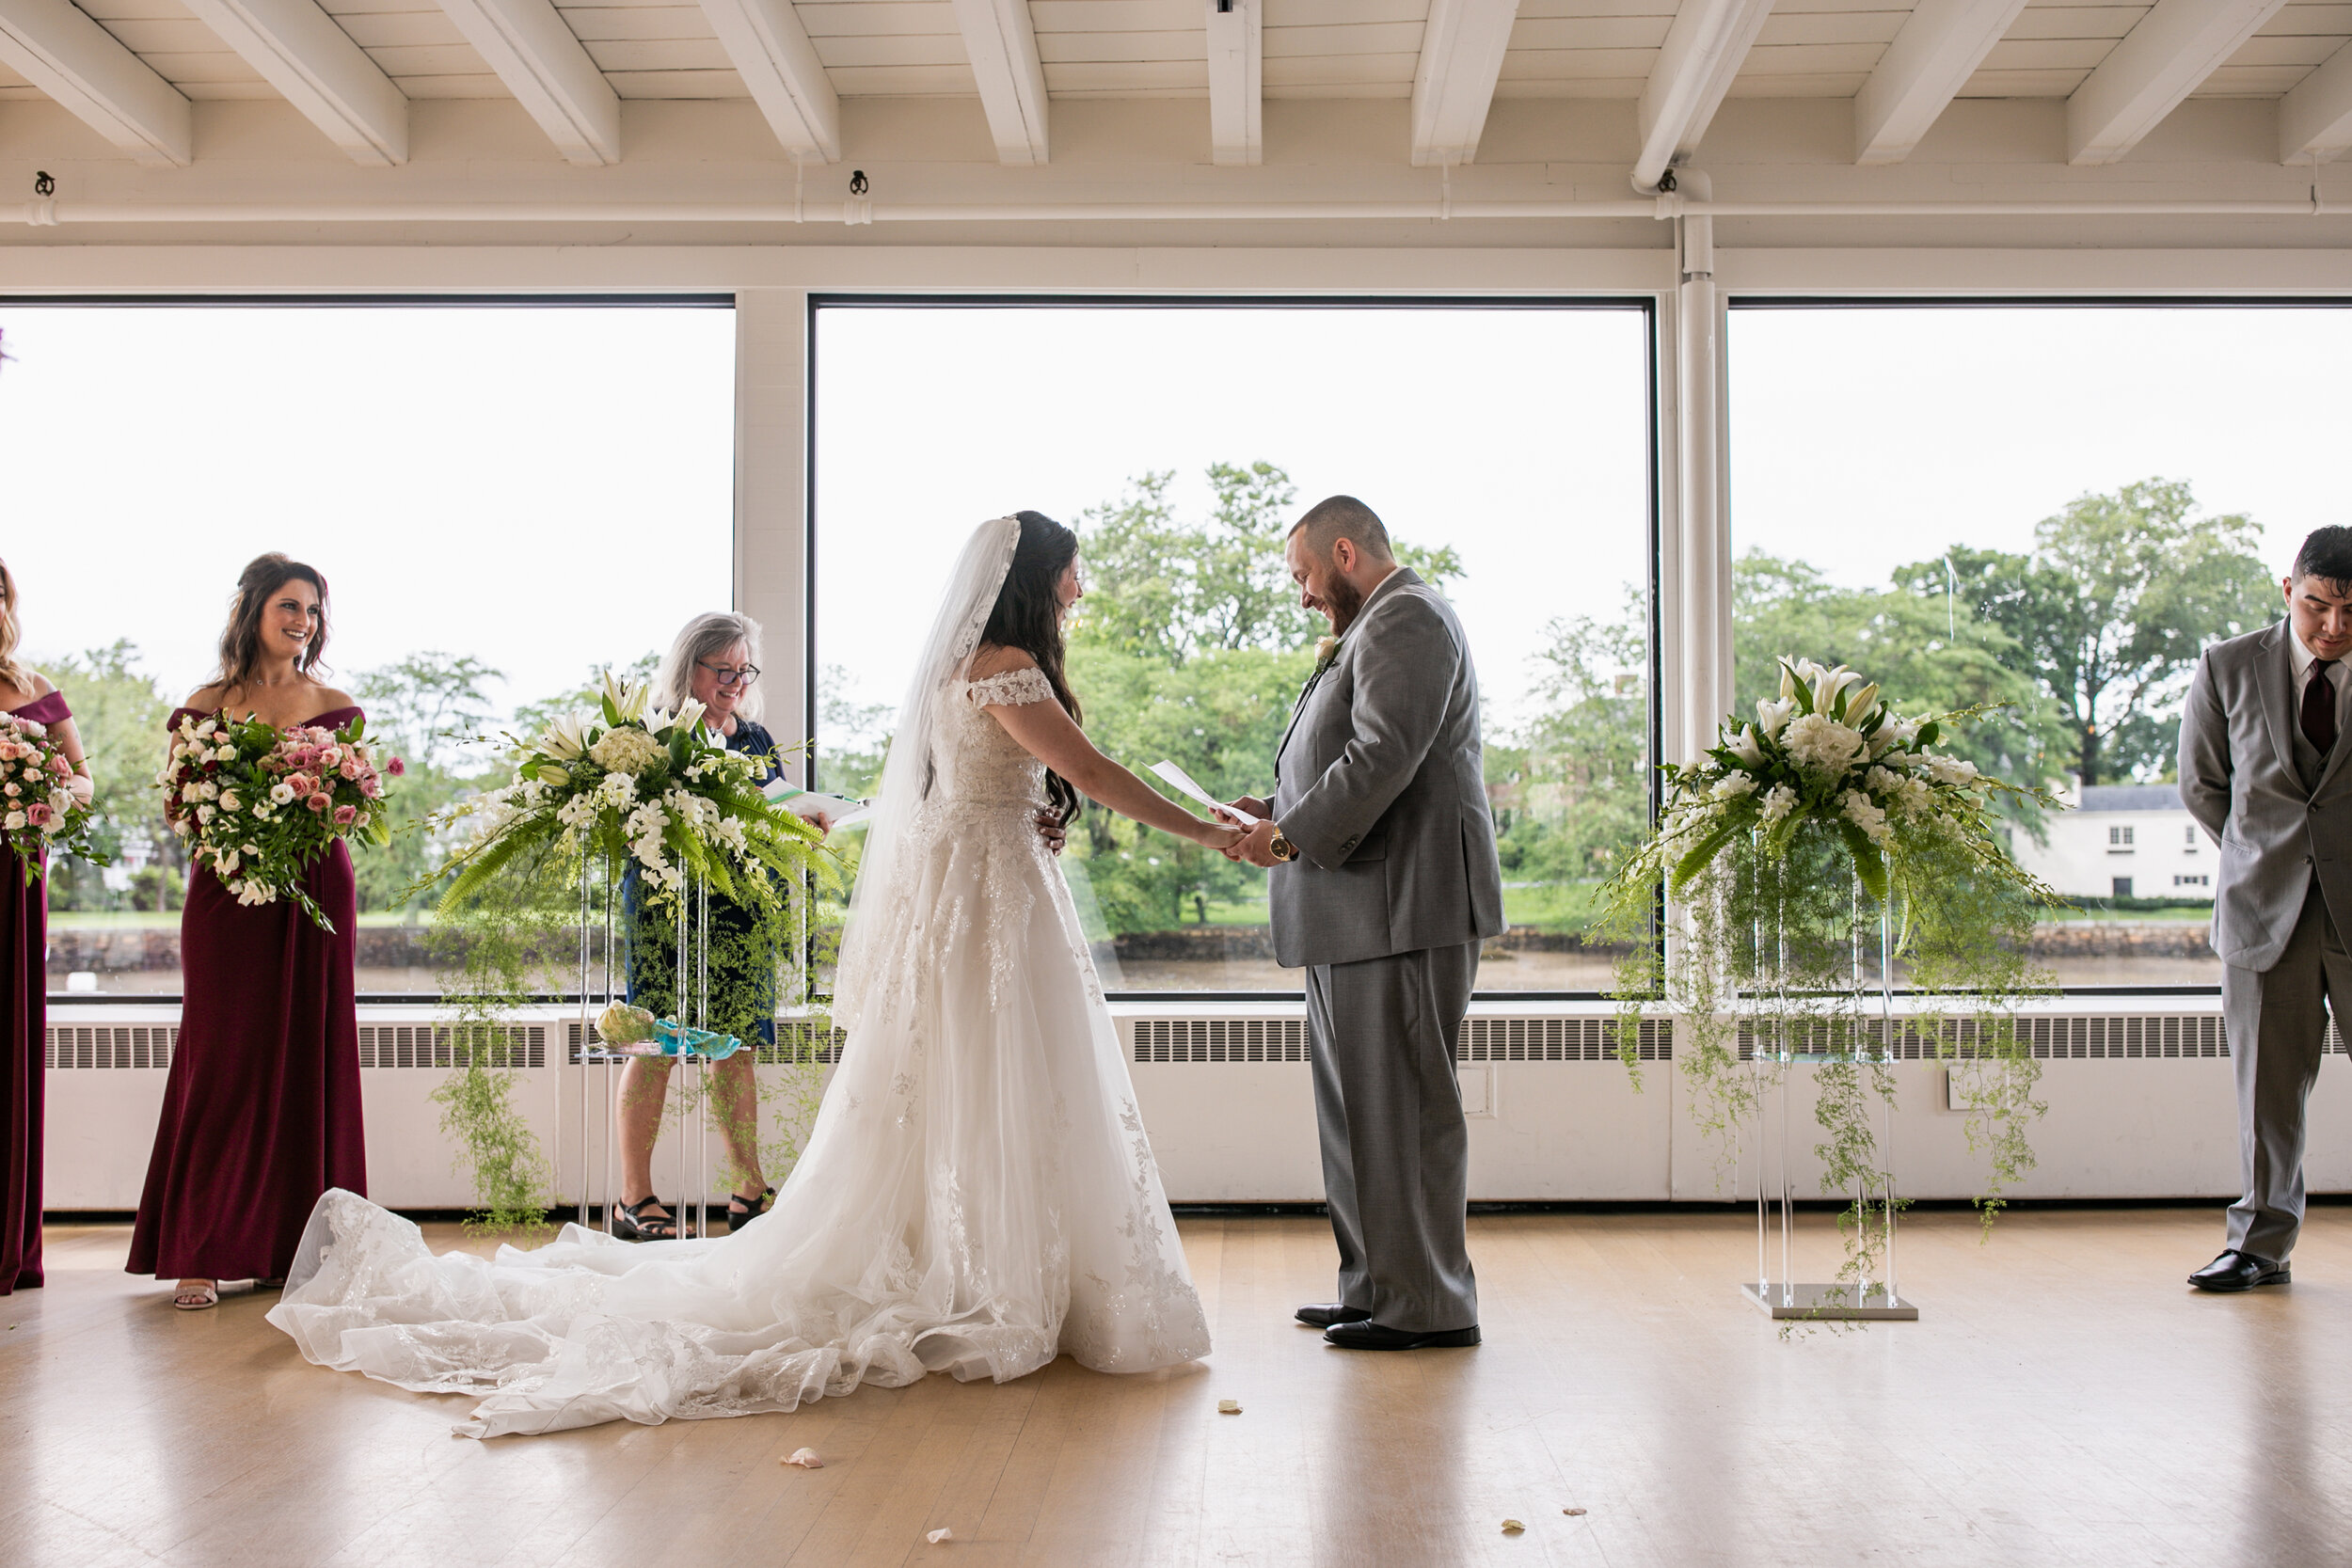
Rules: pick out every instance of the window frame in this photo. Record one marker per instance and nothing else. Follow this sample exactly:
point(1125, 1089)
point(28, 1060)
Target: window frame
point(1647, 303)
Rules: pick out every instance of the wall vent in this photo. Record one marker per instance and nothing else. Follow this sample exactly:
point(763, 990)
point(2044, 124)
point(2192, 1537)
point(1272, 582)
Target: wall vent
point(2084, 1036)
point(1557, 1039)
point(1479, 1040)
point(434, 1045)
point(109, 1045)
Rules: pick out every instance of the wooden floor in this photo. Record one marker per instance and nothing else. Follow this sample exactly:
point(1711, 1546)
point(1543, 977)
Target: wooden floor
point(2063, 1400)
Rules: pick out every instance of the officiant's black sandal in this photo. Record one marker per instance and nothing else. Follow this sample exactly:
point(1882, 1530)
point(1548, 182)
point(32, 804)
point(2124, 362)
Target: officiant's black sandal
point(631, 1223)
point(742, 1210)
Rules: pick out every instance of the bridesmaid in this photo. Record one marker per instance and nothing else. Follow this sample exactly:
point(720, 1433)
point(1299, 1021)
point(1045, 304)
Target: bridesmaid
point(23, 947)
point(262, 1111)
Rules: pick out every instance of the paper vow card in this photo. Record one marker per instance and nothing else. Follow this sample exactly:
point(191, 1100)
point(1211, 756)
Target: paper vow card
point(1182, 783)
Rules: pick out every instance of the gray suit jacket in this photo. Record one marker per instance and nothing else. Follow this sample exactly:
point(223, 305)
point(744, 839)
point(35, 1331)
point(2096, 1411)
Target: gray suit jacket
point(1380, 783)
point(2239, 780)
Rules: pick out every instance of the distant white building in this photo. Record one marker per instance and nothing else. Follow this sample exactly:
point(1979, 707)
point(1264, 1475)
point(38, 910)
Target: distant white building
point(2123, 841)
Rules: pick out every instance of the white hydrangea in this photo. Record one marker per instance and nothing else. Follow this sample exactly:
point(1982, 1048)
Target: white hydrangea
point(1779, 802)
point(626, 750)
point(1863, 814)
point(1821, 743)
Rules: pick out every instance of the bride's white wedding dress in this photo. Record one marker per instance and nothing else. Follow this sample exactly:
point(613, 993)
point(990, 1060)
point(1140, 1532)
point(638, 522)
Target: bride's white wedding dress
point(977, 1197)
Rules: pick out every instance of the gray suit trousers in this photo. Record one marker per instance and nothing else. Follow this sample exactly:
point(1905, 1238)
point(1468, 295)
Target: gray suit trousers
point(2277, 1020)
point(1395, 1149)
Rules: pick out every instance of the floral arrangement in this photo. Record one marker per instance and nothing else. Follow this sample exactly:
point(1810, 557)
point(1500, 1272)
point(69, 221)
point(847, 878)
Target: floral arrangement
point(39, 807)
point(1827, 828)
point(634, 1031)
point(1827, 751)
point(257, 804)
point(635, 782)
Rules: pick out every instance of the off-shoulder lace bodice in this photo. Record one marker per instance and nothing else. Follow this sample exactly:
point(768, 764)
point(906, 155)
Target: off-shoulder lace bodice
point(978, 762)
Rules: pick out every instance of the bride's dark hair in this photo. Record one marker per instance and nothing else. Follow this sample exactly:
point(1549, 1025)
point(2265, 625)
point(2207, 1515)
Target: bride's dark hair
point(1028, 616)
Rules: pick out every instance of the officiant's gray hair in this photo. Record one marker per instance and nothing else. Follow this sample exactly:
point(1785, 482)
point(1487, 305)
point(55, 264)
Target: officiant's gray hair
point(708, 636)
point(1338, 517)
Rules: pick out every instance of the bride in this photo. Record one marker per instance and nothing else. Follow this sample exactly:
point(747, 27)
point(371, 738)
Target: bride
point(978, 1196)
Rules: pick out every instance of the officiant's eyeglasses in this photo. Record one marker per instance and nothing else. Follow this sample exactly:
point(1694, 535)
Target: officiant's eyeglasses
point(745, 677)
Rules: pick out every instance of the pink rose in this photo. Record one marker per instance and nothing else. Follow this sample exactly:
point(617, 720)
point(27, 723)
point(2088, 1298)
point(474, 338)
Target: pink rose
point(344, 816)
point(302, 785)
point(317, 802)
point(61, 767)
point(350, 768)
point(37, 814)
point(395, 768)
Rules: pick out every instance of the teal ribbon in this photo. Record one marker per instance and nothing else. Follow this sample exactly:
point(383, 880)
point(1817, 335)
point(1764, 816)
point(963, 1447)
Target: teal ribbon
point(679, 1039)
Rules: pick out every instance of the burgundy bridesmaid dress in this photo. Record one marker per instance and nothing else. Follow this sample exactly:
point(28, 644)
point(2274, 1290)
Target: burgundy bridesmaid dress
point(262, 1111)
point(25, 941)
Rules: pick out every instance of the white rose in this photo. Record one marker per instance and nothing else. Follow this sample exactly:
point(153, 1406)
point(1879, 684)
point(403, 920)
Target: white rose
point(228, 800)
point(281, 793)
point(14, 820)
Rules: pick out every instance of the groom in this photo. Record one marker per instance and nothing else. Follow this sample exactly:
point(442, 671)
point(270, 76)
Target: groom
point(1385, 881)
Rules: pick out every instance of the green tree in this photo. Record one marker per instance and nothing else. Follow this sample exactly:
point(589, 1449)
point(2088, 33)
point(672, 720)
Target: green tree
point(2111, 609)
point(431, 711)
point(120, 714)
point(1571, 785)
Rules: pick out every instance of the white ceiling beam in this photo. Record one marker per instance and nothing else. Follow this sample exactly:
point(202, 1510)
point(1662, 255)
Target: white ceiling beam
point(311, 61)
point(1939, 48)
point(772, 53)
point(52, 44)
point(1002, 44)
point(1705, 45)
point(2165, 56)
point(2315, 120)
point(1237, 81)
point(541, 61)
point(1461, 56)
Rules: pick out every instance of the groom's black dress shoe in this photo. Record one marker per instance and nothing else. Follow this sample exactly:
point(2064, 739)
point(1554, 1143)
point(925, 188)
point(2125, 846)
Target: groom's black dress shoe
point(1323, 1314)
point(2239, 1270)
point(1368, 1334)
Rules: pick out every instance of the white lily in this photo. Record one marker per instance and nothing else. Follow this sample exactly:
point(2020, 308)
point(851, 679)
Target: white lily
point(658, 720)
point(1745, 746)
point(689, 713)
point(1772, 717)
point(565, 738)
point(1859, 706)
point(628, 698)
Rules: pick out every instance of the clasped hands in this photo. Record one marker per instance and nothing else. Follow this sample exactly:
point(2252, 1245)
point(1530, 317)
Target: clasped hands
point(1255, 847)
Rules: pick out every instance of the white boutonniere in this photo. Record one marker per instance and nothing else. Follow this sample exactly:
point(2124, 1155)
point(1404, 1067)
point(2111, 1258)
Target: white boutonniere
point(1326, 650)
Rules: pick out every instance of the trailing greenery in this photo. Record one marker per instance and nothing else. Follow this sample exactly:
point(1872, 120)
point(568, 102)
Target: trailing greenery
point(1812, 860)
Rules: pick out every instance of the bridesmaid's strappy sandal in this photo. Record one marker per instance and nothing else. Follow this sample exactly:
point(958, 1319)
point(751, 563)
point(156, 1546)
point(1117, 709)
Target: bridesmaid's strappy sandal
point(631, 1223)
point(742, 1210)
point(195, 1298)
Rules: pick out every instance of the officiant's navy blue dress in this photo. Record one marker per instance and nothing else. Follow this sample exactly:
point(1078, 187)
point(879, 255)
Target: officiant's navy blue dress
point(742, 961)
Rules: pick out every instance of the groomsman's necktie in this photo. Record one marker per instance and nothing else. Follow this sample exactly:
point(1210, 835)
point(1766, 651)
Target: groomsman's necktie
point(2319, 707)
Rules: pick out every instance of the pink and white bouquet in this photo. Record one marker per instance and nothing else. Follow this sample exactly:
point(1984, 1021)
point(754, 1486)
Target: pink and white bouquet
point(257, 804)
point(43, 803)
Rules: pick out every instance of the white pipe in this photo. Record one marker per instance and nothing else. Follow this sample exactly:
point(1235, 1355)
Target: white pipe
point(49, 212)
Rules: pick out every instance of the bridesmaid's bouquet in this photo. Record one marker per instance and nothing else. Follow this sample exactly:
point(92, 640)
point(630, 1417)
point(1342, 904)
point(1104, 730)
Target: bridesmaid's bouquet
point(629, 781)
point(257, 804)
point(39, 807)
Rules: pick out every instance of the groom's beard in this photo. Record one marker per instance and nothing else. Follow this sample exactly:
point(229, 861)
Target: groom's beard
point(1345, 601)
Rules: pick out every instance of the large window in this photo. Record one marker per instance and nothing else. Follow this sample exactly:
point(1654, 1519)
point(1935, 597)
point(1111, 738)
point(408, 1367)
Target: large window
point(2049, 507)
point(501, 498)
point(1507, 447)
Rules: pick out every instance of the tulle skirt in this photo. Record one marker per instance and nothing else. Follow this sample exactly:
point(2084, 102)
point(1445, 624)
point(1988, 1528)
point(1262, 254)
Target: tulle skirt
point(977, 1197)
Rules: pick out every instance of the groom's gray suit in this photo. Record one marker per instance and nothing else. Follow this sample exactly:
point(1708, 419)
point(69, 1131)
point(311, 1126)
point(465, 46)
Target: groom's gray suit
point(2281, 811)
point(1380, 784)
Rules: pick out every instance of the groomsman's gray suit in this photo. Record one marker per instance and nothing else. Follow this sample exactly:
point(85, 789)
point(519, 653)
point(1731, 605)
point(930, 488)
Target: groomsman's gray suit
point(2281, 811)
point(1380, 784)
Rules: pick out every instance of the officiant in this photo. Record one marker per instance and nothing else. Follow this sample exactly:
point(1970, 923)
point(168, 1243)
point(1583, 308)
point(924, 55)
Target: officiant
point(715, 661)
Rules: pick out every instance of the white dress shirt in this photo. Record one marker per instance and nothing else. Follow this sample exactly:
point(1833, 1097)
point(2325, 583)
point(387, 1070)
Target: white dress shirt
point(2337, 676)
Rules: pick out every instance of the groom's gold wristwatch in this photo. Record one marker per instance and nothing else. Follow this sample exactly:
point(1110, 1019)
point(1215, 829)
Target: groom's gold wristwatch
point(1281, 848)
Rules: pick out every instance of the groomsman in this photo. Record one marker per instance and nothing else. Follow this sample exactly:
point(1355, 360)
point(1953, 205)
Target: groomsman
point(2263, 770)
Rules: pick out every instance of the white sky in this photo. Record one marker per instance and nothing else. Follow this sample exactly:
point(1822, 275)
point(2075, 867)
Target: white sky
point(1865, 438)
point(542, 488)
point(1519, 437)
